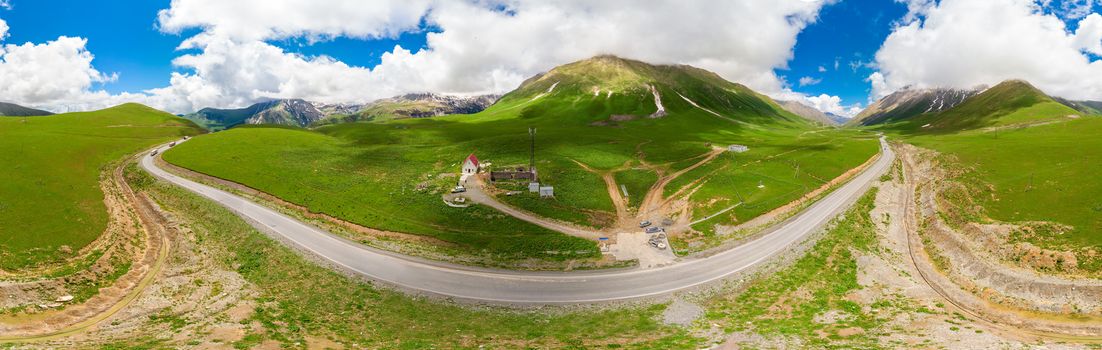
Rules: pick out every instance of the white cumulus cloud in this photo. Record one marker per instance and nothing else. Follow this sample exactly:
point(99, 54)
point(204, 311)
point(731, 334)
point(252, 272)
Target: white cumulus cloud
point(474, 47)
point(56, 73)
point(807, 81)
point(276, 19)
point(965, 43)
point(833, 104)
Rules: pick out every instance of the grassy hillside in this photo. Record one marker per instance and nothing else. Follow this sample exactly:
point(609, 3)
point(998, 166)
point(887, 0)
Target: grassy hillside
point(1025, 157)
point(1039, 173)
point(49, 191)
point(371, 184)
point(597, 112)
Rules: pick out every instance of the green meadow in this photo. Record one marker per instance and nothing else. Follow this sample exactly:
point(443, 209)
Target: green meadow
point(1039, 173)
point(1025, 157)
point(390, 175)
point(774, 172)
point(49, 189)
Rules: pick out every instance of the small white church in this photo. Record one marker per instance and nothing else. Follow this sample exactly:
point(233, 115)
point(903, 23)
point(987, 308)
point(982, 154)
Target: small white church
point(470, 165)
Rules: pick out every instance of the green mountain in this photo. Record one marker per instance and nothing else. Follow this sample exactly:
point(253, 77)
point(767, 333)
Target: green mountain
point(1095, 105)
point(608, 90)
point(1010, 102)
point(14, 110)
point(1086, 107)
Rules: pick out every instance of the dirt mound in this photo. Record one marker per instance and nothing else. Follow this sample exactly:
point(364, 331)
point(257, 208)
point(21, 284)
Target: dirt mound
point(962, 267)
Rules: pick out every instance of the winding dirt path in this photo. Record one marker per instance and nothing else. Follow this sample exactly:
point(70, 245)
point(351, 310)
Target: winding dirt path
point(623, 214)
point(1014, 323)
point(113, 299)
point(654, 200)
point(476, 193)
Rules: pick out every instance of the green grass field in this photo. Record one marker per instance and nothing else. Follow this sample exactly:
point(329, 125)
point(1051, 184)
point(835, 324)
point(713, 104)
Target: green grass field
point(390, 175)
point(301, 299)
point(786, 167)
point(1025, 158)
point(786, 303)
point(1040, 173)
point(49, 191)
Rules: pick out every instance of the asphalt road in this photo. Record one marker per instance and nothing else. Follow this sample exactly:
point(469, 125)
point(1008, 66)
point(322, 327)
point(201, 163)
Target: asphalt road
point(518, 287)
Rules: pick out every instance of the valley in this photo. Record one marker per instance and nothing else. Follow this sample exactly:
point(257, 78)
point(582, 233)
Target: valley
point(401, 168)
point(783, 230)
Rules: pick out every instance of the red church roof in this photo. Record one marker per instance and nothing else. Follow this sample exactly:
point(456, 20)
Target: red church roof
point(473, 159)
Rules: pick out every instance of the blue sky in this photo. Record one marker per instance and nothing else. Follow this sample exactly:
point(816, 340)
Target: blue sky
point(842, 42)
point(834, 54)
point(124, 38)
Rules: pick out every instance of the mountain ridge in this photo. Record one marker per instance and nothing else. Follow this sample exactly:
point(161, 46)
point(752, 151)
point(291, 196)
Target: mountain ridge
point(809, 112)
point(1011, 102)
point(14, 110)
point(911, 102)
point(302, 113)
point(413, 105)
point(609, 90)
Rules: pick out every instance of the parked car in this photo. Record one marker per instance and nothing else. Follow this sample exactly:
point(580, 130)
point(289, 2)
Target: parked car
point(153, 153)
point(654, 229)
point(644, 224)
point(459, 189)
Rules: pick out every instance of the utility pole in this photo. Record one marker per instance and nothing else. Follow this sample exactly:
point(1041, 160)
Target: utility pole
point(797, 175)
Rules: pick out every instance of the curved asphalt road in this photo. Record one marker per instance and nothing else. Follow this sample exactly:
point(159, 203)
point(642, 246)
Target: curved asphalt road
point(518, 287)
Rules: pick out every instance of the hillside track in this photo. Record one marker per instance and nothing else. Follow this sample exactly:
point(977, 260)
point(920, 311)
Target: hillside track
point(920, 261)
point(158, 245)
point(496, 286)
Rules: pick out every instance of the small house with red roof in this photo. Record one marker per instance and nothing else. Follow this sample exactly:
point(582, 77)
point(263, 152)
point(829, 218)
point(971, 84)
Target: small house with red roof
point(470, 165)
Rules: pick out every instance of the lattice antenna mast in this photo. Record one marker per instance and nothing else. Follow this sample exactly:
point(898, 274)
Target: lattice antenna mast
point(532, 150)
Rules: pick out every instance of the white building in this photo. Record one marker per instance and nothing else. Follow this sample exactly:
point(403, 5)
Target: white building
point(738, 148)
point(470, 165)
